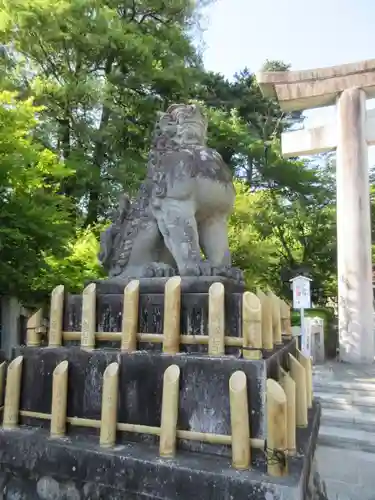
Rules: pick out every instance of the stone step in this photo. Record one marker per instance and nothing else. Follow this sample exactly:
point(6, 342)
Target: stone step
point(344, 387)
point(346, 401)
point(354, 439)
point(352, 419)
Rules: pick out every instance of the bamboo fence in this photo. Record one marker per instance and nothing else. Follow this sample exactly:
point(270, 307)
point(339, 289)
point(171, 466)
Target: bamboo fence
point(265, 322)
point(286, 409)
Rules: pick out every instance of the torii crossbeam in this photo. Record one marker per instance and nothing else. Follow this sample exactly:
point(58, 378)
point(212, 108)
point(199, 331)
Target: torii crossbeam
point(349, 86)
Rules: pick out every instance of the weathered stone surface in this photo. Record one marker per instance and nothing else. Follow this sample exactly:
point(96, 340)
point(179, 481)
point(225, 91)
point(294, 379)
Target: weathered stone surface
point(36, 466)
point(204, 393)
point(194, 309)
point(299, 90)
point(189, 284)
point(181, 208)
point(316, 489)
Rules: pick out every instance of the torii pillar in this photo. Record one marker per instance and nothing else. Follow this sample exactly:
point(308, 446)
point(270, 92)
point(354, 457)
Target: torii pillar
point(349, 86)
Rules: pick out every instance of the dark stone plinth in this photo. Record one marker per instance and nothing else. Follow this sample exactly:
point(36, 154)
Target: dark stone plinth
point(204, 391)
point(194, 309)
point(200, 284)
point(3, 359)
point(36, 467)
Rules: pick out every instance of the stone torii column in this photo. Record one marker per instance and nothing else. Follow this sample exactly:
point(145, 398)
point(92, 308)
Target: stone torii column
point(349, 86)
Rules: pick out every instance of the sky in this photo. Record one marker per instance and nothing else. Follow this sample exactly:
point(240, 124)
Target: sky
point(306, 34)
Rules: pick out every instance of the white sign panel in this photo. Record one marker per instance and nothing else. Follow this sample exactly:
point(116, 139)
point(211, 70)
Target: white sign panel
point(301, 292)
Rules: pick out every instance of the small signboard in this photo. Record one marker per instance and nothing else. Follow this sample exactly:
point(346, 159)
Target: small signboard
point(301, 292)
point(302, 301)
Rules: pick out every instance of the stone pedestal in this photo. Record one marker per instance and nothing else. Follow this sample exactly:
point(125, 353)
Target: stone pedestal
point(33, 467)
point(194, 309)
point(75, 466)
point(133, 468)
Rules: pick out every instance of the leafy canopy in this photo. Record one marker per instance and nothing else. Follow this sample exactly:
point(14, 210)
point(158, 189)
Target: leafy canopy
point(33, 215)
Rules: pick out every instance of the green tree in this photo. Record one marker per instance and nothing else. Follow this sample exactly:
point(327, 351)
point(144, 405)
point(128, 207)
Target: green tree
point(78, 265)
point(33, 215)
point(289, 204)
point(101, 68)
point(273, 238)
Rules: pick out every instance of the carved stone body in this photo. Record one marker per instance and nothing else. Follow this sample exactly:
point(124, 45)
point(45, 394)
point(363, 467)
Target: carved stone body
point(181, 208)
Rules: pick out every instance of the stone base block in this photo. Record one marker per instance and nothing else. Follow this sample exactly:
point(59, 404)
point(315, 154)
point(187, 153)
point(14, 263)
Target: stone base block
point(204, 389)
point(194, 309)
point(33, 466)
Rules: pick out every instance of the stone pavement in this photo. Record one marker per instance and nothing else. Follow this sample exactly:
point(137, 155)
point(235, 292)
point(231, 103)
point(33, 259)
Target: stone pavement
point(346, 449)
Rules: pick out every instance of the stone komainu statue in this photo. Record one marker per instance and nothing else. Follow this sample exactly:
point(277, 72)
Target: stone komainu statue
point(181, 208)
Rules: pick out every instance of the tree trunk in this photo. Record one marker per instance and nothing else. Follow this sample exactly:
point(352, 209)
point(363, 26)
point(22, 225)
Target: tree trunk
point(98, 159)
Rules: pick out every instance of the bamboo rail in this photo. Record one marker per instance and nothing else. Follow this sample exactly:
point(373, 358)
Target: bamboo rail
point(203, 437)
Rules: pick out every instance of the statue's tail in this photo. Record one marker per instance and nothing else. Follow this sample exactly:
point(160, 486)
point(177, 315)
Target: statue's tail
point(108, 237)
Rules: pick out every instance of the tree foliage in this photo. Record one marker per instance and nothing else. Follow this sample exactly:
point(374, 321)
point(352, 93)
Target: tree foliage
point(101, 69)
point(90, 76)
point(33, 215)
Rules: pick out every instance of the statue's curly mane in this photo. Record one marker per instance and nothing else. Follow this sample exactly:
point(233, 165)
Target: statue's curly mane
point(169, 128)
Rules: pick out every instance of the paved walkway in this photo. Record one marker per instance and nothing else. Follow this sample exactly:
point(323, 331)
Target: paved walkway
point(346, 453)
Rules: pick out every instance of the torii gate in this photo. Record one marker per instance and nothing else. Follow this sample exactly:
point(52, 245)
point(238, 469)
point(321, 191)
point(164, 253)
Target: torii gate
point(348, 85)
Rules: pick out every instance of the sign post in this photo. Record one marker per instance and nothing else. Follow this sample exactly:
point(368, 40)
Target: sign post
point(302, 301)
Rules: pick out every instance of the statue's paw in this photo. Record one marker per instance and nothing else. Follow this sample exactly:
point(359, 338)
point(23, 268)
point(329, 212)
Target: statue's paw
point(229, 272)
point(220, 271)
point(158, 270)
point(191, 269)
point(205, 268)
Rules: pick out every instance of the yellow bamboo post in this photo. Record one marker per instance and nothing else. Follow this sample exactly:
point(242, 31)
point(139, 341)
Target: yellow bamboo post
point(298, 374)
point(289, 386)
point(276, 320)
point(285, 319)
point(2, 379)
point(56, 317)
point(289, 322)
point(33, 328)
point(12, 394)
point(172, 311)
point(216, 320)
point(266, 307)
point(276, 429)
point(306, 363)
point(169, 411)
point(130, 317)
point(239, 418)
point(251, 326)
point(108, 424)
point(88, 317)
point(59, 400)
